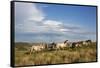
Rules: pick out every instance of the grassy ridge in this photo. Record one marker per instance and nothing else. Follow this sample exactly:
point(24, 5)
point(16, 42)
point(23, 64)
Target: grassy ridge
point(67, 55)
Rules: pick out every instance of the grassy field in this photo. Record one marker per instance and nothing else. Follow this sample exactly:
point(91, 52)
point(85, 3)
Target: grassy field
point(67, 55)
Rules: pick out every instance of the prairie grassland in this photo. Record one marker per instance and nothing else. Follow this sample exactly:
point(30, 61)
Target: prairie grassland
point(67, 55)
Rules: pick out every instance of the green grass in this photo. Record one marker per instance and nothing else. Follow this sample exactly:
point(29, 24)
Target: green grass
point(67, 55)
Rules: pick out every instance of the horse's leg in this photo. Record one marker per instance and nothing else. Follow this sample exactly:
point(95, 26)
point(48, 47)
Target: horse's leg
point(31, 50)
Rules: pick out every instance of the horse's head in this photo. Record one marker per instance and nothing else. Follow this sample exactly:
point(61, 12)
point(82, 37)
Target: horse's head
point(53, 43)
point(65, 41)
point(88, 41)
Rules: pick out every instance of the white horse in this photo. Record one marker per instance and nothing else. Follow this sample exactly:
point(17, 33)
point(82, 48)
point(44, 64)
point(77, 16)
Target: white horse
point(37, 48)
point(61, 45)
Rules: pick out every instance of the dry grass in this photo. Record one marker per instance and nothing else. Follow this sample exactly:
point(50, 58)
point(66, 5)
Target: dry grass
point(68, 55)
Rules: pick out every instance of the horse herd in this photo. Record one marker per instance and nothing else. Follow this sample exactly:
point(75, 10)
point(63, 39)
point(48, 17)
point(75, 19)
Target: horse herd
point(58, 46)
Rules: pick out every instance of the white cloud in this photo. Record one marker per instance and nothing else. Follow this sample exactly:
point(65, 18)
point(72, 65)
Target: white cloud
point(52, 23)
point(27, 15)
point(28, 11)
point(64, 30)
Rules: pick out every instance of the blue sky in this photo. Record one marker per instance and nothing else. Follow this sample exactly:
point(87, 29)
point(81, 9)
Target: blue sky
point(35, 22)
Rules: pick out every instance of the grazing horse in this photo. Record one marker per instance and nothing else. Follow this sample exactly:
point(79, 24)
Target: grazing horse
point(51, 46)
point(73, 45)
point(61, 45)
point(87, 42)
point(37, 48)
point(79, 44)
point(76, 44)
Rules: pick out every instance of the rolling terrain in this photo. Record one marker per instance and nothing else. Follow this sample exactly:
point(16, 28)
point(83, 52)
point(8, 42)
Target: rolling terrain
point(67, 55)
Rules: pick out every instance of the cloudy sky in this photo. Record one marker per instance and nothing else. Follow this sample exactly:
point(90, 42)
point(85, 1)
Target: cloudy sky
point(35, 22)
